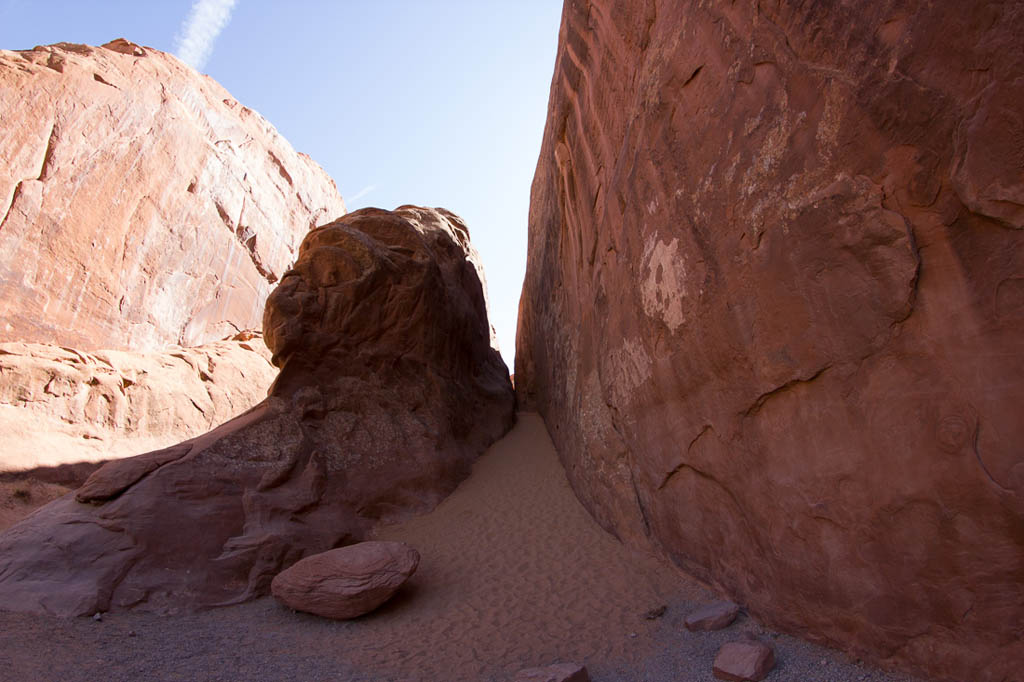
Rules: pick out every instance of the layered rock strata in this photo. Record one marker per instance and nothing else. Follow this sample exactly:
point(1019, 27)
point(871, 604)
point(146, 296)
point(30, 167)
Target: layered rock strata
point(61, 405)
point(141, 206)
point(774, 309)
point(388, 390)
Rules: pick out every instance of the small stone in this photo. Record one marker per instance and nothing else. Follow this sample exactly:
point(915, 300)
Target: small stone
point(97, 616)
point(656, 613)
point(714, 616)
point(131, 633)
point(558, 672)
point(632, 635)
point(750, 659)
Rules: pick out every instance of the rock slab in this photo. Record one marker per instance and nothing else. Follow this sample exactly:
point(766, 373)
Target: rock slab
point(744, 661)
point(714, 616)
point(347, 582)
point(141, 205)
point(557, 672)
point(388, 391)
point(774, 309)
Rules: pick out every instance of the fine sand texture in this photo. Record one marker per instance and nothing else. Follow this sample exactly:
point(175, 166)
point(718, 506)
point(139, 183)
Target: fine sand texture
point(514, 573)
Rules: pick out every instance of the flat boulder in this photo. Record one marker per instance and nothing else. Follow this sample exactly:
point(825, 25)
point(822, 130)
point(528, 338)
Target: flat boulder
point(750, 660)
point(557, 672)
point(713, 616)
point(347, 582)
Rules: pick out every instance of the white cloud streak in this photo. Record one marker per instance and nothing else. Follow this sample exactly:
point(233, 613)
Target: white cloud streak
point(205, 21)
point(360, 194)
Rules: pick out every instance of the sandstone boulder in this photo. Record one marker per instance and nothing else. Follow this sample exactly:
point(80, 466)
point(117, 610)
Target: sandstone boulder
point(558, 672)
point(774, 309)
point(347, 582)
point(140, 205)
point(714, 616)
point(388, 390)
point(60, 405)
point(748, 660)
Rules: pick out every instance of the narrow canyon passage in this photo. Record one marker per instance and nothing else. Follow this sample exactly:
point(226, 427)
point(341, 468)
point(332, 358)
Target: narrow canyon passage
point(514, 573)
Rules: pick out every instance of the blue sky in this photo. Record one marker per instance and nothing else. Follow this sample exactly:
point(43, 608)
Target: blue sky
point(433, 102)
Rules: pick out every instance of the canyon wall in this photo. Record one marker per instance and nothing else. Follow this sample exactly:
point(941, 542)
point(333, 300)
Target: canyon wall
point(141, 206)
point(774, 309)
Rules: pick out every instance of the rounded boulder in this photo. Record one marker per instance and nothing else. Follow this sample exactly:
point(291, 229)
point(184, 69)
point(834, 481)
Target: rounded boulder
point(347, 582)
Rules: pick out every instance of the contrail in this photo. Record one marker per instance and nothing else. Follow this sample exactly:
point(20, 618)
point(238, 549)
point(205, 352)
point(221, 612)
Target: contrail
point(205, 21)
point(361, 193)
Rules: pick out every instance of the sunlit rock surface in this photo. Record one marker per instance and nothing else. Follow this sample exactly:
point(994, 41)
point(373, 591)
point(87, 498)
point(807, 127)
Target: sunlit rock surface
point(140, 205)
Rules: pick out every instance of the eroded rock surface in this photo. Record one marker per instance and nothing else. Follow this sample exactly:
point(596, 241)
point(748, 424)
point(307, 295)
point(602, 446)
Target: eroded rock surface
point(388, 390)
point(347, 582)
point(141, 206)
point(774, 309)
point(61, 405)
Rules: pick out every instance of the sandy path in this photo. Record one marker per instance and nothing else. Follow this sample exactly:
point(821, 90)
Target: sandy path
point(514, 573)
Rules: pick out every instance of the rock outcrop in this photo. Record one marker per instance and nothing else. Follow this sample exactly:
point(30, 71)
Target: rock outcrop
point(61, 405)
point(141, 206)
point(388, 390)
point(774, 309)
point(347, 582)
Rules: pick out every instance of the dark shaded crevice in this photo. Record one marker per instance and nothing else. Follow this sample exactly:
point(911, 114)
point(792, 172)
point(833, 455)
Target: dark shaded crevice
point(100, 79)
point(682, 465)
point(981, 462)
point(48, 154)
point(692, 75)
point(10, 206)
point(280, 168)
point(756, 406)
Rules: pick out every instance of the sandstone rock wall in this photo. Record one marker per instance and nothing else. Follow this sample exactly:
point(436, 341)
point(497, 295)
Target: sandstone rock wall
point(140, 205)
point(388, 391)
point(773, 309)
point(61, 406)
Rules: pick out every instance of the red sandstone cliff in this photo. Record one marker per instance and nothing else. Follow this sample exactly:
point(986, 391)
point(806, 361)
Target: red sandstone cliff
point(140, 205)
point(774, 309)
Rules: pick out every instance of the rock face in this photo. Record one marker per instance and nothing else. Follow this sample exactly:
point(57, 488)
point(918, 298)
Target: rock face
point(774, 309)
point(347, 582)
point(388, 391)
point(60, 405)
point(140, 205)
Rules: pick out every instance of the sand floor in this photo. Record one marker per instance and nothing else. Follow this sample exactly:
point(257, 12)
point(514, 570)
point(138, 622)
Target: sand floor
point(514, 573)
